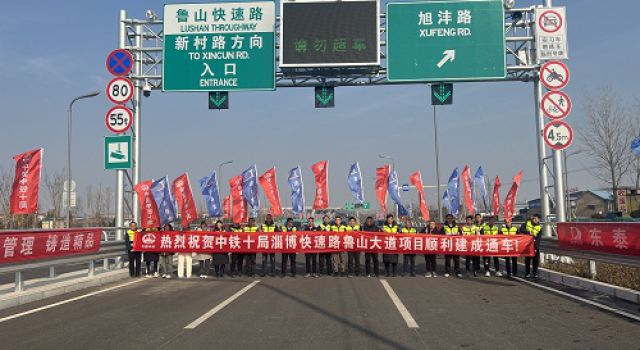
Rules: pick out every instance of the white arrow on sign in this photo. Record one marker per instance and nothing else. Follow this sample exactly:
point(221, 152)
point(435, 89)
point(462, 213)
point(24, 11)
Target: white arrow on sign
point(449, 55)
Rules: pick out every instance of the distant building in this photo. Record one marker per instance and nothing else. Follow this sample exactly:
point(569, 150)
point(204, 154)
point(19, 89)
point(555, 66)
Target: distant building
point(583, 204)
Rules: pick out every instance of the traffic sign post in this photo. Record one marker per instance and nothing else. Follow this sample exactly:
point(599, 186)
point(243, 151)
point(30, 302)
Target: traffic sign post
point(554, 75)
point(117, 152)
point(119, 62)
point(445, 41)
point(219, 47)
point(441, 94)
point(120, 90)
point(119, 119)
point(218, 100)
point(551, 34)
point(558, 135)
point(556, 104)
point(324, 97)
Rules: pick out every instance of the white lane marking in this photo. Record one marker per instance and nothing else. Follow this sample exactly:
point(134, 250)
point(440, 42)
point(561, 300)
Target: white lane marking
point(220, 306)
point(411, 323)
point(62, 302)
point(581, 299)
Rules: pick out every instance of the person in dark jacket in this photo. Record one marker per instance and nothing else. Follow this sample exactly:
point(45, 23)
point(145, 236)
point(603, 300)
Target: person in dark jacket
point(369, 258)
point(166, 259)
point(311, 259)
point(325, 258)
point(134, 256)
point(390, 260)
point(220, 260)
point(430, 259)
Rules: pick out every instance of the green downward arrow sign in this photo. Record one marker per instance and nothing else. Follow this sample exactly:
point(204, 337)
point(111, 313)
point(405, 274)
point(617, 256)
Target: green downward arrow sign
point(218, 100)
point(442, 98)
point(325, 97)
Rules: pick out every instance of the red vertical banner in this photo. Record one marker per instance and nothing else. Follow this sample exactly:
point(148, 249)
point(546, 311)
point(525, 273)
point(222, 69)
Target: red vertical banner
point(238, 202)
point(382, 177)
point(320, 171)
point(466, 186)
point(496, 197)
point(184, 197)
point(149, 217)
point(226, 207)
point(510, 200)
point(416, 181)
point(26, 183)
point(270, 187)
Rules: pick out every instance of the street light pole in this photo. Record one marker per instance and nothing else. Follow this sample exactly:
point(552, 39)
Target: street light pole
point(69, 120)
point(220, 174)
point(435, 140)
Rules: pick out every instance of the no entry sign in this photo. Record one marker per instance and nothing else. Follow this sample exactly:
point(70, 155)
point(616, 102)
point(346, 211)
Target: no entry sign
point(119, 62)
point(556, 104)
point(120, 90)
point(119, 119)
point(554, 75)
point(558, 135)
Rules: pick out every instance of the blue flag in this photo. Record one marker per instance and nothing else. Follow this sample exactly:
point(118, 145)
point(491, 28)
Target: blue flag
point(453, 193)
point(392, 187)
point(297, 195)
point(482, 185)
point(209, 189)
point(355, 183)
point(164, 200)
point(250, 188)
point(445, 199)
point(635, 146)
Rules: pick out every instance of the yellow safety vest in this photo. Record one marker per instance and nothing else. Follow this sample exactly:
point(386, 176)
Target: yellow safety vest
point(490, 230)
point(132, 235)
point(532, 229)
point(390, 229)
point(285, 229)
point(509, 230)
point(469, 230)
point(268, 228)
point(324, 227)
point(409, 230)
point(353, 228)
point(451, 230)
point(336, 228)
point(233, 229)
point(250, 229)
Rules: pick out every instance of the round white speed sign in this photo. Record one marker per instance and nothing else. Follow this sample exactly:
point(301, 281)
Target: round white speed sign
point(558, 135)
point(120, 90)
point(119, 119)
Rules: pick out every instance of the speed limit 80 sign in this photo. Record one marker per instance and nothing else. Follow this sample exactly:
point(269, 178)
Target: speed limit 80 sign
point(120, 90)
point(119, 119)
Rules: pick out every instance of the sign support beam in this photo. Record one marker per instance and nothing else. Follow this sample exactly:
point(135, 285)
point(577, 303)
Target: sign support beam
point(120, 173)
point(136, 122)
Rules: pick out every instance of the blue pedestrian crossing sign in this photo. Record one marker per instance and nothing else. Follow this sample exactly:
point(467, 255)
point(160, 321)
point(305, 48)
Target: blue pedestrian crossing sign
point(119, 62)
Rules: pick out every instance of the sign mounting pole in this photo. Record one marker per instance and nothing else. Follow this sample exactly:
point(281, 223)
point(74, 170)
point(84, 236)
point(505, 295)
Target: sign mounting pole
point(120, 173)
point(136, 121)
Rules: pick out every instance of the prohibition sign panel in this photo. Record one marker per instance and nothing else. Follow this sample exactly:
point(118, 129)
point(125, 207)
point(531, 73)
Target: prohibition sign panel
point(119, 62)
point(556, 104)
point(554, 75)
point(118, 119)
point(558, 135)
point(550, 21)
point(120, 90)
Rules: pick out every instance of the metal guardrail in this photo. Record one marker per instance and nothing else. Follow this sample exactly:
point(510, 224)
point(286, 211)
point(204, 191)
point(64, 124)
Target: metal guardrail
point(550, 245)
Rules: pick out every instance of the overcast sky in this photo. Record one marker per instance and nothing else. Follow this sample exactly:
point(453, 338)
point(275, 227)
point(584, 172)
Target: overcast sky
point(52, 51)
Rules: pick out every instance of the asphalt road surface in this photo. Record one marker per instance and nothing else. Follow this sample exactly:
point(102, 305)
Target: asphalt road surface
point(315, 313)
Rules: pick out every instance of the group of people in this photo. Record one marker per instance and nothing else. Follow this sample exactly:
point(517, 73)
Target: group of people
point(341, 263)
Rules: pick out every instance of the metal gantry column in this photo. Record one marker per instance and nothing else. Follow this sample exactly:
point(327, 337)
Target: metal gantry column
point(542, 154)
point(136, 119)
point(120, 173)
point(435, 138)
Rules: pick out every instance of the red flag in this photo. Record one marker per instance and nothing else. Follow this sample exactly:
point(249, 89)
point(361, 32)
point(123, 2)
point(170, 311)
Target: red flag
point(510, 200)
point(270, 187)
point(416, 180)
point(237, 200)
point(226, 206)
point(322, 185)
point(382, 177)
point(26, 183)
point(496, 196)
point(149, 217)
point(184, 197)
point(466, 185)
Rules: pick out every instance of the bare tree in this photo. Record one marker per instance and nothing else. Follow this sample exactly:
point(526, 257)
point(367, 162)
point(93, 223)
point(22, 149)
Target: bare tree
point(606, 137)
point(6, 181)
point(54, 183)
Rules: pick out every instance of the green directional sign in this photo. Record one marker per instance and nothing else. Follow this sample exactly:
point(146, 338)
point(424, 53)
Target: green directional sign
point(441, 94)
point(353, 206)
point(218, 100)
point(324, 97)
point(445, 40)
point(117, 152)
point(226, 46)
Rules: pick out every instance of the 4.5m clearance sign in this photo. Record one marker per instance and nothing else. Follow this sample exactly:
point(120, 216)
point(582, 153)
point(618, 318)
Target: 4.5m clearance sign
point(219, 47)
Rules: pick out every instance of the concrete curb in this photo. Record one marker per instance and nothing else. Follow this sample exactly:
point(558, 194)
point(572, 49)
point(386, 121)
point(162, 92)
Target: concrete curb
point(54, 289)
point(590, 285)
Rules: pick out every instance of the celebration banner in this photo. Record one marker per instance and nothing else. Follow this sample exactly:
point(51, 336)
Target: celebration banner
point(320, 173)
point(270, 187)
point(382, 178)
point(608, 237)
point(510, 200)
point(33, 245)
point(416, 181)
point(149, 217)
point(327, 242)
point(226, 207)
point(26, 183)
point(238, 202)
point(496, 197)
point(184, 197)
point(467, 187)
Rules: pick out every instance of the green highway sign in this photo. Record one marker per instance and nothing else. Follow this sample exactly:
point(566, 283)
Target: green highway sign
point(441, 94)
point(117, 152)
point(226, 46)
point(446, 40)
point(218, 100)
point(324, 97)
point(353, 206)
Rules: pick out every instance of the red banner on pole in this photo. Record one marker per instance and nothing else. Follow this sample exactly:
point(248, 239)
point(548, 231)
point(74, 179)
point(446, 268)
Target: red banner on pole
point(327, 242)
point(609, 237)
point(149, 217)
point(496, 197)
point(32, 245)
point(466, 186)
point(382, 178)
point(270, 186)
point(226, 207)
point(416, 180)
point(238, 202)
point(26, 183)
point(320, 171)
point(184, 196)
point(510, 200)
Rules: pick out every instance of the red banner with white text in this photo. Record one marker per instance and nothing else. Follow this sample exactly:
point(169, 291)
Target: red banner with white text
point(238, 203)
point(270, 187)
point(608, 237)
point(327, 242)
point(184, 197)
point(382, 179)
point(320, 174)
point(33, 245)
point(149, 217)
point(26, 183)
